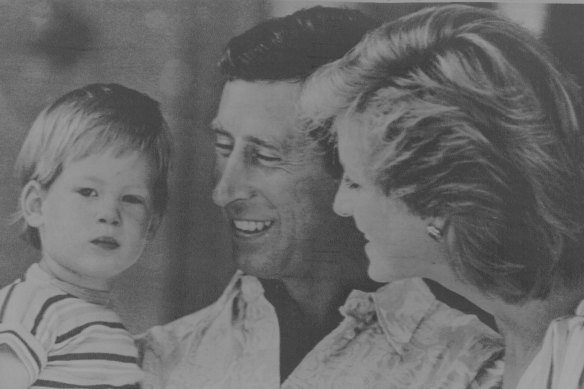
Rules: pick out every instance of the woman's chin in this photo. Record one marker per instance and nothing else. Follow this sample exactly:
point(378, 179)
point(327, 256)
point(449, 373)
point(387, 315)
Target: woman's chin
point(381, 267)
point(382, 273)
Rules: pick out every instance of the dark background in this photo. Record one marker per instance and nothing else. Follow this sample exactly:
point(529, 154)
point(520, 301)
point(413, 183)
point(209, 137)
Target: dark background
point(168, 49)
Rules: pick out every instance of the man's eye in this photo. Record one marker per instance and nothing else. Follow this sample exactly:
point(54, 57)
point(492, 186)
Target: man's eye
point(267, 158)
point(87, 192)
point(133, 199)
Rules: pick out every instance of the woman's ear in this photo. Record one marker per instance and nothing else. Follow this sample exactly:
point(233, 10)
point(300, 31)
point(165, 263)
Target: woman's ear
point(440, 222)
point(31, 203)
point(436, 228)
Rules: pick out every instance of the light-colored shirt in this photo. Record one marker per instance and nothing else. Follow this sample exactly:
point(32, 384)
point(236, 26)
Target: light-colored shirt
point(559, 364)
point(398, 337)
point(66, 337)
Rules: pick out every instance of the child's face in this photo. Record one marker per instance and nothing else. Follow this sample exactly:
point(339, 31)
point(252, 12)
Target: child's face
point(97, 217)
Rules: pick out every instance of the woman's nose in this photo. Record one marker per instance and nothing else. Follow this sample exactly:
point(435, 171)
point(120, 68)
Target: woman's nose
point(342, 202)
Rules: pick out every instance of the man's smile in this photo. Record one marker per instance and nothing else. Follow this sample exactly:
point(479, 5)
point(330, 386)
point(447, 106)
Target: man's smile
point(251, 227)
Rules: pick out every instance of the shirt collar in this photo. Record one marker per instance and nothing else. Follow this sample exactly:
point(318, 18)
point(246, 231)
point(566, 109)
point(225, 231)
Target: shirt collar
point(93, 296)
point(244, 287)
point(398, 306)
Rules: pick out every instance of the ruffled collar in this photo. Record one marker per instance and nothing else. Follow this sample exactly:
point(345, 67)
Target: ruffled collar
point(399, 307)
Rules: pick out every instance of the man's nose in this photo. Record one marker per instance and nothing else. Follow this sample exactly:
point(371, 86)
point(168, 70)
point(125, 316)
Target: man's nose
point(342, 203)
point(108, 211)
point(233, 181)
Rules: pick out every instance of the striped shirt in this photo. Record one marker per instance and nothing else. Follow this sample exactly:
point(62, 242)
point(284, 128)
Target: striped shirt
point(66, 337)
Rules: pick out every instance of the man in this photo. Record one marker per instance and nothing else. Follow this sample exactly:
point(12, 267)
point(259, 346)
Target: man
point(278, 322)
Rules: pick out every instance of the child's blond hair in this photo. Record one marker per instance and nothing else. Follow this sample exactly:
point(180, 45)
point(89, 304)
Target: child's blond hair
point(89, 121)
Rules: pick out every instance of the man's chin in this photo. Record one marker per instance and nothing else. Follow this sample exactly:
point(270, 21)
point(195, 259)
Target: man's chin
point(258, 265)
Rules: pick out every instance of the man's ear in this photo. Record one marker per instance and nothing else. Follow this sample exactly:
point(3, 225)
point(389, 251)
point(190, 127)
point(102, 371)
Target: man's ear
point(31, 203)
point(153, 227)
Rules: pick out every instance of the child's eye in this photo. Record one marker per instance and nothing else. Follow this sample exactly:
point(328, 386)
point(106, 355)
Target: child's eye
point(133, 199)
point(87, 192)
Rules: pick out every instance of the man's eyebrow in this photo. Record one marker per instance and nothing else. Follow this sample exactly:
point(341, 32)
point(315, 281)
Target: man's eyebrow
point(218, 129)
point(261, 142)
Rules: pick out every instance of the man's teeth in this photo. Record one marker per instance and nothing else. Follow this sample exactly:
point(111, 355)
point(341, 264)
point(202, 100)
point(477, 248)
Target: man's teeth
point(252, 226)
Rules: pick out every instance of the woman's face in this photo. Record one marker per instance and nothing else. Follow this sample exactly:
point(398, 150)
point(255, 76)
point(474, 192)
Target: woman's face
point(398, 245)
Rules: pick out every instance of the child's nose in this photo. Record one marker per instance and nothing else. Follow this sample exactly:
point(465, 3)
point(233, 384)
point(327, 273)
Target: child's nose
point(109, 220)
point(109, 213)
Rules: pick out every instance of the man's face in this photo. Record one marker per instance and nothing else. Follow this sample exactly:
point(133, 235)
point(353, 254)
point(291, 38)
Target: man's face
point(272, 186)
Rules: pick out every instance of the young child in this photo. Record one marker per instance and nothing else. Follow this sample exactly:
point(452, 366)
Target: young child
point(94, 170)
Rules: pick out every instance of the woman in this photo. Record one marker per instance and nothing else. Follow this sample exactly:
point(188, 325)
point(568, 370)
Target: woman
point(463, 158)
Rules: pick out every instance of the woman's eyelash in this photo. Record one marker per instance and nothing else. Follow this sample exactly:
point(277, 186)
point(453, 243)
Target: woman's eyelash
point(349, 183)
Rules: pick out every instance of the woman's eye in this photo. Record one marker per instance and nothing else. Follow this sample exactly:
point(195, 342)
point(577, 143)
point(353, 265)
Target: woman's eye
point(223, 148)
point(133, 199)
point(87, 192)
point(349, 183)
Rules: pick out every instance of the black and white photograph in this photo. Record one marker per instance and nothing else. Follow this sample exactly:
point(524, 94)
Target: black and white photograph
point(282, 194)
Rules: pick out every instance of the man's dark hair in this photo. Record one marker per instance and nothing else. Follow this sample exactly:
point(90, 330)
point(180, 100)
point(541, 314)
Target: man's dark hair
point(292, 47)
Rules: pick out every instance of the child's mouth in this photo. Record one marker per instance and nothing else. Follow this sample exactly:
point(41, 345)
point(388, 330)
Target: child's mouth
point(106, 243)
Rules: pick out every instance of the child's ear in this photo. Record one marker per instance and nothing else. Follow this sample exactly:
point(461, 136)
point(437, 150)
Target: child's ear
point(153, 227)
point(31, 203)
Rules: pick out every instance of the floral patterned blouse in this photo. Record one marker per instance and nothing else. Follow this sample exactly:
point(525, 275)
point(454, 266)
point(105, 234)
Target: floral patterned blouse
point(398, 337)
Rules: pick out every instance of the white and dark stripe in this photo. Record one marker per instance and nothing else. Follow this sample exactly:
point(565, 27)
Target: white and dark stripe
point(64, 341)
